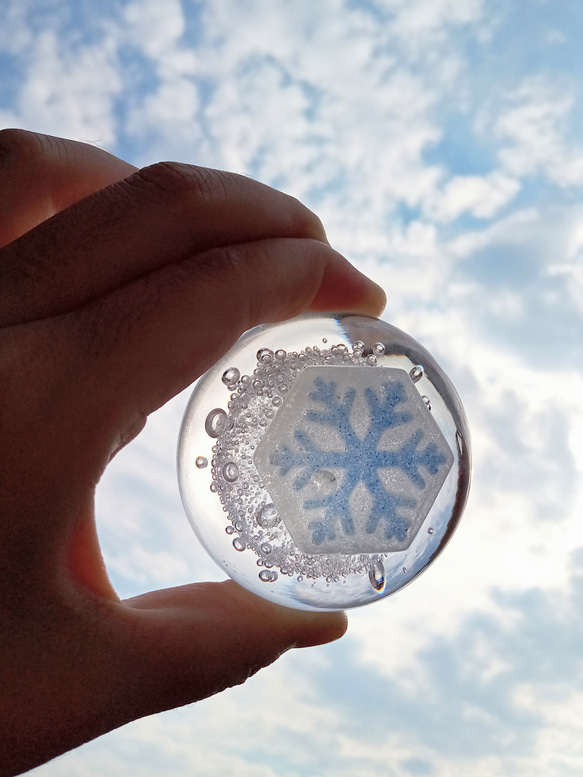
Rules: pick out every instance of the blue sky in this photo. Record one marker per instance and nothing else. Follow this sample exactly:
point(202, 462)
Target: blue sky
point(441, 142)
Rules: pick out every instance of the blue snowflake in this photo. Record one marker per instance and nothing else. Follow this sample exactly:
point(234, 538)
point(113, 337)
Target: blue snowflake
point(361, 460)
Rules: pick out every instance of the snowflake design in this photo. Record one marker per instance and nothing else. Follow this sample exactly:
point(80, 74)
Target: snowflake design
point(361, 460)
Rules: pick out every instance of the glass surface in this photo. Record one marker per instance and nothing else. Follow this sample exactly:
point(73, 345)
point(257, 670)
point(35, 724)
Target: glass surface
point(324, 462)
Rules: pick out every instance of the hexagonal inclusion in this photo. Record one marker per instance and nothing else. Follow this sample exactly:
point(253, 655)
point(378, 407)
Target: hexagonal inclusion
point(353, 460)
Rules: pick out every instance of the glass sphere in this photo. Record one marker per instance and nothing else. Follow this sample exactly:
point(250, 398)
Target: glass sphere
point(324, 462)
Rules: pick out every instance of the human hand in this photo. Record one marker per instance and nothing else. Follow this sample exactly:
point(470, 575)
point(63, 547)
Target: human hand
point(122, 288)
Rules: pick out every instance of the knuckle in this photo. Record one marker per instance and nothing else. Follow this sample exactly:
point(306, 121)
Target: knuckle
point(307, 223)
point(176, 180)
point(246, 269)
point(232, 263)
point(30, 150)
point(19, 145)
point(167, 177)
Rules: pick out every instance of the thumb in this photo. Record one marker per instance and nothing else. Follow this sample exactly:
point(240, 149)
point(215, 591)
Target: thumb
point(90, 665)
point(196, 640)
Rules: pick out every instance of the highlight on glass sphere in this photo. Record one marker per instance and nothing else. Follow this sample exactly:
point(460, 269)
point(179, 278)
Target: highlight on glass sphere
point(324, 462)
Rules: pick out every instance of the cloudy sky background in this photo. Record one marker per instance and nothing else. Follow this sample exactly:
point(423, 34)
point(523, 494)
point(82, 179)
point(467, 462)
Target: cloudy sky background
point(441, 142)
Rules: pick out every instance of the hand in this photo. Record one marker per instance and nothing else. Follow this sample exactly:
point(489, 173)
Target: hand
point(117, 289)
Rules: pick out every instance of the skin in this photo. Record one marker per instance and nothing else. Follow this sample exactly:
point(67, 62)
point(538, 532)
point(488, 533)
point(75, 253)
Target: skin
point(110, 278)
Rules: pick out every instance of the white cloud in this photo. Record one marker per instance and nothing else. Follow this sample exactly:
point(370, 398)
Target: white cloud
point(68, 91)
point(318, 99)
point(480, 196)
point(156, 28)
point(533, 130)
point(173, 107)
point(555, 37)
point(157, 31)
point(574, 283)
point(15, 33)
point(424, 22)
point(559, 749)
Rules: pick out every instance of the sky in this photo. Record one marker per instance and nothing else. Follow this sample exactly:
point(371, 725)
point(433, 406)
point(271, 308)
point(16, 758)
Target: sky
point(441, 143)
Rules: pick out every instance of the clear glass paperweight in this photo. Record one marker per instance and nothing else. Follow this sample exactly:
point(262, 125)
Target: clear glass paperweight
point(324, 462)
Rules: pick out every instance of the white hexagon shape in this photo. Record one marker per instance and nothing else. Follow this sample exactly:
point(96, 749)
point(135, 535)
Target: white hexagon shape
point(353, 460)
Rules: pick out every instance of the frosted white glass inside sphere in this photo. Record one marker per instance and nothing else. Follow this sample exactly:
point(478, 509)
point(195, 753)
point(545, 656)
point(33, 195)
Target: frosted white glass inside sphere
point(324, 462)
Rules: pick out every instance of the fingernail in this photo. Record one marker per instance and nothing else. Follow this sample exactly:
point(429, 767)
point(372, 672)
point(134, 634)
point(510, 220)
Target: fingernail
point(327, 627)
point(378, 298)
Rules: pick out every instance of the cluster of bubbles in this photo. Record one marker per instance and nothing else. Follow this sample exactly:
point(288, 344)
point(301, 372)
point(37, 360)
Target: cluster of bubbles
point(251, 517)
